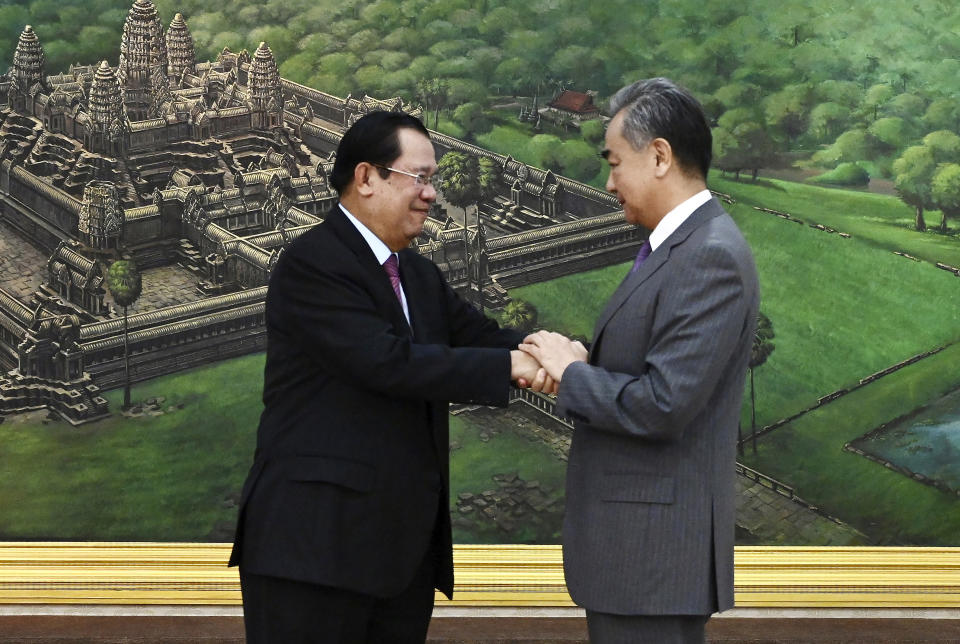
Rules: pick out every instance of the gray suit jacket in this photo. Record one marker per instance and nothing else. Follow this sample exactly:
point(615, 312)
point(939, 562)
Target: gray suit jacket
point(649, 524)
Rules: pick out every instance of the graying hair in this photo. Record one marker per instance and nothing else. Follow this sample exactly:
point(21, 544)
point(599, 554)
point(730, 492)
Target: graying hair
point(659, 108)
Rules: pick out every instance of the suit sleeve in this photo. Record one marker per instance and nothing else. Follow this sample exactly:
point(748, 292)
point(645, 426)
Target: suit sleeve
point(334, 316)
point(469, 327)
point(700, 315)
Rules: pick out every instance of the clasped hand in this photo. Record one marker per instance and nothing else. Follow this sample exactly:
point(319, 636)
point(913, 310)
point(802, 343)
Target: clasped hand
point(540, 361)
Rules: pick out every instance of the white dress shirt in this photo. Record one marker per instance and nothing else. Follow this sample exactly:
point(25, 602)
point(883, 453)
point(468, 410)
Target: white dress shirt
point(380, 250)
point(673, 219)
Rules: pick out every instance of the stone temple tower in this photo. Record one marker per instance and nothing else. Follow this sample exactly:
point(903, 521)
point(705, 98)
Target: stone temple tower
point(101, 219)
point(143, 61)
point(266, 98)
point(180, 48)
point(108, 122)
point(28, 68)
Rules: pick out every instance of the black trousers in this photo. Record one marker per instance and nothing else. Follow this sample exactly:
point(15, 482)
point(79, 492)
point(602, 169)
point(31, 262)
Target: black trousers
point(282, 611)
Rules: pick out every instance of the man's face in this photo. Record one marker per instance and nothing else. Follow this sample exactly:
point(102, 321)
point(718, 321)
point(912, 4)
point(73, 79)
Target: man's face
point(632, 175)
point(401, 203)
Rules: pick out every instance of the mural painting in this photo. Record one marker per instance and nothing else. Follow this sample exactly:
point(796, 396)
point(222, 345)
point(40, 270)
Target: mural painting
point(147, 190)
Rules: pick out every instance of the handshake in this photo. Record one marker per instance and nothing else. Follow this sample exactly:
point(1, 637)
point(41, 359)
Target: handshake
point(540, 361)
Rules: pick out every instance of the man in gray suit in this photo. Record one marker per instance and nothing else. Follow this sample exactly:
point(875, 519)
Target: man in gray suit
point(649, 528)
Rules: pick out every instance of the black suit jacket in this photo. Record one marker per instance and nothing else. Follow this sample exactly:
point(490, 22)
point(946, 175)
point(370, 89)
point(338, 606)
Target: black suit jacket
point(350, 480)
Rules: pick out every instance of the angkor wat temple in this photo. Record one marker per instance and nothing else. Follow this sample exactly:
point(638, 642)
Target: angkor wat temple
point(203, 173)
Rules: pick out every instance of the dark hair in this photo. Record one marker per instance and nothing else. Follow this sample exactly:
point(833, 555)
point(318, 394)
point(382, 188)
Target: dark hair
point(659, 108)
point(372, 139)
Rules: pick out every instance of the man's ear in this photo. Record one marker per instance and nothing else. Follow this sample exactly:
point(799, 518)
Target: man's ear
point(361, 178)
point(664, 161)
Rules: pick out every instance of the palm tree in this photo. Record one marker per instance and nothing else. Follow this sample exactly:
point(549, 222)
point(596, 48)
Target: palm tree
point(434, 94)
point(466, 180)
point(759, 352)
point(125, 284)
point(519, 314)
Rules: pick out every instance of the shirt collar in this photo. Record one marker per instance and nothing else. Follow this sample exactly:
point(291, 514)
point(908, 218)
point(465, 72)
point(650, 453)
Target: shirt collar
point(380, 250)
point(673, 219)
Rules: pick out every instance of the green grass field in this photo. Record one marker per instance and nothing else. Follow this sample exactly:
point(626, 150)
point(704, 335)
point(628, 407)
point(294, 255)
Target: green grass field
point(177, 476)
point(886, 505)
point(881, 221)
point(474, 463)
point(174, 477)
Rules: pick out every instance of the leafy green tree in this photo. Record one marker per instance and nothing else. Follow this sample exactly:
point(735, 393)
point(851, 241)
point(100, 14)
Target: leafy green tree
point(433, 93)
point(726, 151)
point(738, 95)
point(827, 120)
point(744, 143)
point(913, 173)
point(579, 160)
point(852, 145)
point(906, 106)
point(125, 285)
point(279, 39)
point(458, 66)
point(891, 132)
point(945, 190)
point(466, 19)
point(464, 179)
point(298, 68)
point(385, 13)
point(228, 38)
point(497, 22)
point(465, 90)
point(441, 30)
point(371, 79)
point(788, 109)
point(757, 147)
point(515, 76)
point(945, 146)
point(942, 114)
point(842, 92)
point(13, 17)
point(577, 63)
point(760, 350)
point(546, 149)
point(95, 42)
point(875, 98)
point(486, 59)
point(520, 315)
point(405, 39)
point(592, 131)
point(472, 118)
point(44, 11)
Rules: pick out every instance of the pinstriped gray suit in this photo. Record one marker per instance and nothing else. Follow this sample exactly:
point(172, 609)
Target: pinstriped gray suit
point(649, 523)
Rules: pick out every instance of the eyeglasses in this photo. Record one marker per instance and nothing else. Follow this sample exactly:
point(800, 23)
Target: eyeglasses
point(421, 180)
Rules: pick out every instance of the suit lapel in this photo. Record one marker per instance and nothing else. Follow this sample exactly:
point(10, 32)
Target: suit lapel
point(377, 278)
point(414, 287)
point(652, 264)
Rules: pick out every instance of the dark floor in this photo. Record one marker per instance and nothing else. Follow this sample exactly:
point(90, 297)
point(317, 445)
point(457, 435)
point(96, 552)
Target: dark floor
point(477, 630)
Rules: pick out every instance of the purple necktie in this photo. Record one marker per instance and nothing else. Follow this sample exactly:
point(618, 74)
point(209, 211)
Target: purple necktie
point(392, 266)
point(642, 255)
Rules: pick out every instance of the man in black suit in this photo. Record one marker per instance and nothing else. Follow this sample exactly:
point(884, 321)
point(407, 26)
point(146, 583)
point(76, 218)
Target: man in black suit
point(344, 527)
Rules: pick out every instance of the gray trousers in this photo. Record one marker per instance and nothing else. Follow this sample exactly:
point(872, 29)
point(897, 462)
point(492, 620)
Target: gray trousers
point(605, 628)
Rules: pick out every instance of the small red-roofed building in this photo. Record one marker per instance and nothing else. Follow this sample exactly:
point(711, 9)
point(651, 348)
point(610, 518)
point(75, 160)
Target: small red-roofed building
point(571, 105)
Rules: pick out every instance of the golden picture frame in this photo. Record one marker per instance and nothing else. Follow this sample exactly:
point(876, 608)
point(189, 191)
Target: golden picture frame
point(141, 573)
